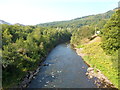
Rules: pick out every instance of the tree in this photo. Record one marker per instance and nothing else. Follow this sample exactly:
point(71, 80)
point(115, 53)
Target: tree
point(81, 33)
point(6, 37)
point(110, 33)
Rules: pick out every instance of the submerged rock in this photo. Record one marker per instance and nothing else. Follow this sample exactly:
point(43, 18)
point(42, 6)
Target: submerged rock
point(47, 82)
point(83, 67)
point(45, 85)
point(53, 76)
point(59, 71)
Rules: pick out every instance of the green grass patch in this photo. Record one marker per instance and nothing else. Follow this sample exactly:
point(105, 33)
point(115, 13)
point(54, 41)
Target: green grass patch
point(97, 58)
point(80, 46)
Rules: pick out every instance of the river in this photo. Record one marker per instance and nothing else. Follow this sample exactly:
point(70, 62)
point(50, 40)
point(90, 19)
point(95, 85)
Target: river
point(64, 69)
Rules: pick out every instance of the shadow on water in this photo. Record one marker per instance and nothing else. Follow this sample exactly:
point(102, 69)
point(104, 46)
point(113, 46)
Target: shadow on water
point(63, 68)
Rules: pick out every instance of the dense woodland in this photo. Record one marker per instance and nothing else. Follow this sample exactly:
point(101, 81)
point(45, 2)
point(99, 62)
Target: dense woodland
point(25, 47)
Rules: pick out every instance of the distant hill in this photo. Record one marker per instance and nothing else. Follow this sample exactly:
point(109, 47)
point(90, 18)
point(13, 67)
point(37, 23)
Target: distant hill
point(4, 22)
point(81, 21)
point(75, 23)
point(19, 24)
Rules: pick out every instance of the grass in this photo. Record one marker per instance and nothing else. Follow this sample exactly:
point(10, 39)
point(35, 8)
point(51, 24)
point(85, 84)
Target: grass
point(80, 46)
point(97, 58)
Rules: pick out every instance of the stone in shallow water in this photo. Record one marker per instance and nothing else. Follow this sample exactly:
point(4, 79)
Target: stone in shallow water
point(40, 81)
point(45, 85)
point(53, 76)
point(42, 77)
point(47, 82)
point(83, 67)
point(52, 73)
point(59, 71)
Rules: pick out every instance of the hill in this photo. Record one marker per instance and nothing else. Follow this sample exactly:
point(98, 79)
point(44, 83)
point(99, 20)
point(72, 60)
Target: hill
point(4, 22)
point(81, 21)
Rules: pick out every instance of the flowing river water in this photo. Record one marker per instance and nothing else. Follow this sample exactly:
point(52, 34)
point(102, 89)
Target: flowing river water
point(64, 69)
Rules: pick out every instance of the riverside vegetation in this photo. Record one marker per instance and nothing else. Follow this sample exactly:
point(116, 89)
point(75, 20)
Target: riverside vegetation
point(102, 53)
point(25, 47)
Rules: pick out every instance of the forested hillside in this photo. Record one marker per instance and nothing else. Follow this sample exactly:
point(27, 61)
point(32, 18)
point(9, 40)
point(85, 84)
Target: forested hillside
point(103, 53)
point(3, 22)
point(78, 22)
point(24, 47)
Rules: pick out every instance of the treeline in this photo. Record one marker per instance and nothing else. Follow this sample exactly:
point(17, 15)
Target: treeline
point(76, 23)
point(25, 47)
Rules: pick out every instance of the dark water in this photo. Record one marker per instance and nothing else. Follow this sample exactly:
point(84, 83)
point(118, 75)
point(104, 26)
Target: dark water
point(65, 70)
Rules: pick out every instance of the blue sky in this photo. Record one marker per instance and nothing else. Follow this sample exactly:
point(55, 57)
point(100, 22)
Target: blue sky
point(31, 12)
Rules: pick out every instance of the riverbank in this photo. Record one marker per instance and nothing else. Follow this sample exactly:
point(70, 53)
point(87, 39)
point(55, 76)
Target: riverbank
point(26, 80)
point(30, 76)
point(95, 72)
point(100, 64)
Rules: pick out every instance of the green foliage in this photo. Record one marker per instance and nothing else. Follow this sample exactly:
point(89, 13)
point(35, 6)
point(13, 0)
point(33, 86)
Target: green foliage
point(97, 58)
point(76, 23)
point(86, 26)
point(104, 58)
point(24, 47)
point(110, 34)
point(81, 33)
point(80, 46)
point(6, 37)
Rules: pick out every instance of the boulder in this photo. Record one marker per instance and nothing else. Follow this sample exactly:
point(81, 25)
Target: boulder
point(90, 69)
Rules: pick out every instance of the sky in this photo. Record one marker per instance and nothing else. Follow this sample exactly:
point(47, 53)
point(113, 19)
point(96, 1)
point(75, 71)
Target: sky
point(32, 12)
